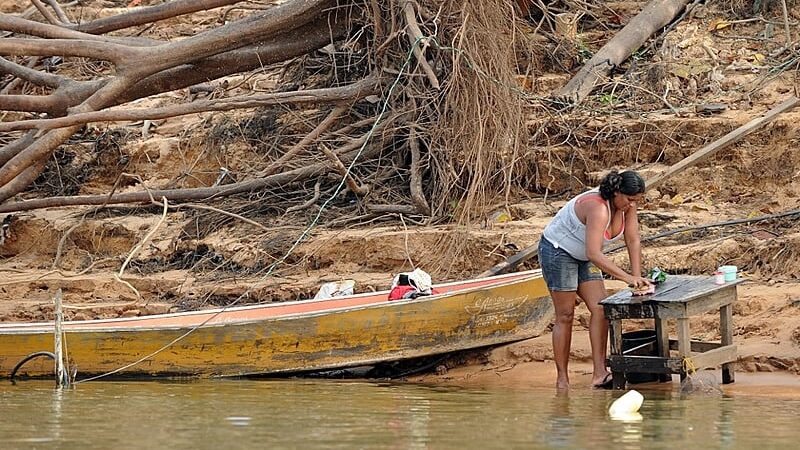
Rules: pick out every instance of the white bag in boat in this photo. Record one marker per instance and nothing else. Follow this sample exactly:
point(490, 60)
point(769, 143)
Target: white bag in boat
point(419, 279)
point(335, 289)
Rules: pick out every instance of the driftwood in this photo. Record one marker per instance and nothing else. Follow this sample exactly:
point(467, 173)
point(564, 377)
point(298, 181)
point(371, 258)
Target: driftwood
point(655, 15)
point(719, 144)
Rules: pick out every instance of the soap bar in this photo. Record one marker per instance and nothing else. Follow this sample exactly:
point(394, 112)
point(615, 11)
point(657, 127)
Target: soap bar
point(651, 289)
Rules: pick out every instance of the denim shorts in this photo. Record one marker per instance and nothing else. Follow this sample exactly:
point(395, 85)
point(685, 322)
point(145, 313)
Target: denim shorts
point(561, 271)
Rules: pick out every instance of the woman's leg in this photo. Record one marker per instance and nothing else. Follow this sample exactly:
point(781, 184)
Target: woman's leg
point(592, 292)
point(564, 303)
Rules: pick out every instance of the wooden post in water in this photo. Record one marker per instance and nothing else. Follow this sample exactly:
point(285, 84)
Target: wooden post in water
point(62, 377)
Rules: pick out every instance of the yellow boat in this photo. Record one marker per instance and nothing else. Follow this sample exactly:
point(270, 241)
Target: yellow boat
point(290, 337)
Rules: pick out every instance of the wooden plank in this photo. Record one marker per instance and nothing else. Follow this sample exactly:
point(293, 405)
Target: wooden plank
point(696, 346)
point(684, 336)
point(645, 364)
point(615, 338)
point(677, 289)
point(630, 311)
point(711, 302)
point(714, 358)
point(511, 262)
point(726, 332)
point(662, 342)
point(723, 142)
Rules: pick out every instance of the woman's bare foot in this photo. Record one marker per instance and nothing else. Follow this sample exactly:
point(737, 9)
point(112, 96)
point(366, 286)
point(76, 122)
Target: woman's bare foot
point(562, 384)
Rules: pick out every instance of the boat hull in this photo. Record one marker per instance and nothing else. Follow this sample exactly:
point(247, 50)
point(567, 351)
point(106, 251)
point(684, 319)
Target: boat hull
point(512, 309)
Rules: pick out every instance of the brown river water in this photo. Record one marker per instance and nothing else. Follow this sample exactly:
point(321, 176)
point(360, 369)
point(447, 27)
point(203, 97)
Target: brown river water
point(347, 414)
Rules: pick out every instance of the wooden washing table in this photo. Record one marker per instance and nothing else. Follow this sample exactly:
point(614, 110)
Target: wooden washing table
point(679, 297)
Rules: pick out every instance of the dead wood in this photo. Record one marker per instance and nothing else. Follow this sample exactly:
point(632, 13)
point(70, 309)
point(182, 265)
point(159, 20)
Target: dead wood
point(10, 150)
point(415, 183)
point(456, 165)
point(45, 12)
point(352, 92)
point(418, 43)
point(23, 26)
point(394, 209)
point(133, 64)
point(339, 167)
point(306, 140)
point(654, 16)
point(142, 16)
point(204, 194)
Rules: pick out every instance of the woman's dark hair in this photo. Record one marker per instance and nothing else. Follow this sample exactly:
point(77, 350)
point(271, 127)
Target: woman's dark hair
point(628, 183)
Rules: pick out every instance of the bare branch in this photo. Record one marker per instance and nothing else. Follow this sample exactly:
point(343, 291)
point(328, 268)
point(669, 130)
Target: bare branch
point(241, 33)
point(34, 153)
point(416, 37)
point(59, 12)
point(354, 91)
point(282, 47)
point(11, 150)
point(22, 181)
point(293, 176)
point(31, 75)
point(104, 51)
point(32, 28)
point(48, 16)
point(342, 169)
point(307, 139)
point(150, 14)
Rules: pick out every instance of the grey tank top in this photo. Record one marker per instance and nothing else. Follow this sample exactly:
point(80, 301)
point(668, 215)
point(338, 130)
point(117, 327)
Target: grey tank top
point(566, 231)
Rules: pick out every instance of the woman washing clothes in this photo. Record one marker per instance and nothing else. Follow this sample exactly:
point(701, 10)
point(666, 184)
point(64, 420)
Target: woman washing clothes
point(572, 259)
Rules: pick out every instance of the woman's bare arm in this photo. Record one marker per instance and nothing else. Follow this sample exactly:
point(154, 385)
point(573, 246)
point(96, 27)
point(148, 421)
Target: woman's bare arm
point(633, 240)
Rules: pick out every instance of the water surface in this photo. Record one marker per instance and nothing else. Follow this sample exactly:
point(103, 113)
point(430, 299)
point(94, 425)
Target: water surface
point(330, 414)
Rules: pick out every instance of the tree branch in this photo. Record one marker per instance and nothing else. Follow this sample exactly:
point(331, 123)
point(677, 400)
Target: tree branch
point(307, 139)
point(104, 51)
point(354, 91)
point(417, 39)
point(32, 28)
point(31, 75)
point(207, 193)
point(150, 14)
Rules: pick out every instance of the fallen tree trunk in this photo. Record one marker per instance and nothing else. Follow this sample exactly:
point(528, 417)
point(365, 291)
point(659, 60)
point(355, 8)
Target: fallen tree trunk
point(654, 15)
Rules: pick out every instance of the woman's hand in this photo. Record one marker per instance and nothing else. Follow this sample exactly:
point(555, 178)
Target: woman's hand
point(639, 282)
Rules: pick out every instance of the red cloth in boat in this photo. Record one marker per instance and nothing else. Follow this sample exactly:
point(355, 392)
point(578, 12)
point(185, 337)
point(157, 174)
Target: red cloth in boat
point(405, 291)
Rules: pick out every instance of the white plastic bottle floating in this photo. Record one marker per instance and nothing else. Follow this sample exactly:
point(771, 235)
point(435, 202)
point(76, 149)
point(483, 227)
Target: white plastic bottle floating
point(627, 406)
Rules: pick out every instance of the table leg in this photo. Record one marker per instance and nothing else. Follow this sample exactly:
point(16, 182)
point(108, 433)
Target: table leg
point(662, 341)
point(726, 333)
point(684, 342)
point(615, 336)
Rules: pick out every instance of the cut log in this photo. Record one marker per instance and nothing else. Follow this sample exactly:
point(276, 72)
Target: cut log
point(654, 16)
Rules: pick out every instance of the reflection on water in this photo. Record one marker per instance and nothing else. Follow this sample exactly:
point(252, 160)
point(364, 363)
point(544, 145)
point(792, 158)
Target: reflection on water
point(327, 414)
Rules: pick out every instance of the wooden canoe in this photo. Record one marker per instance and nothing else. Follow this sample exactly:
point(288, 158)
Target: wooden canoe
point(298, 336)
